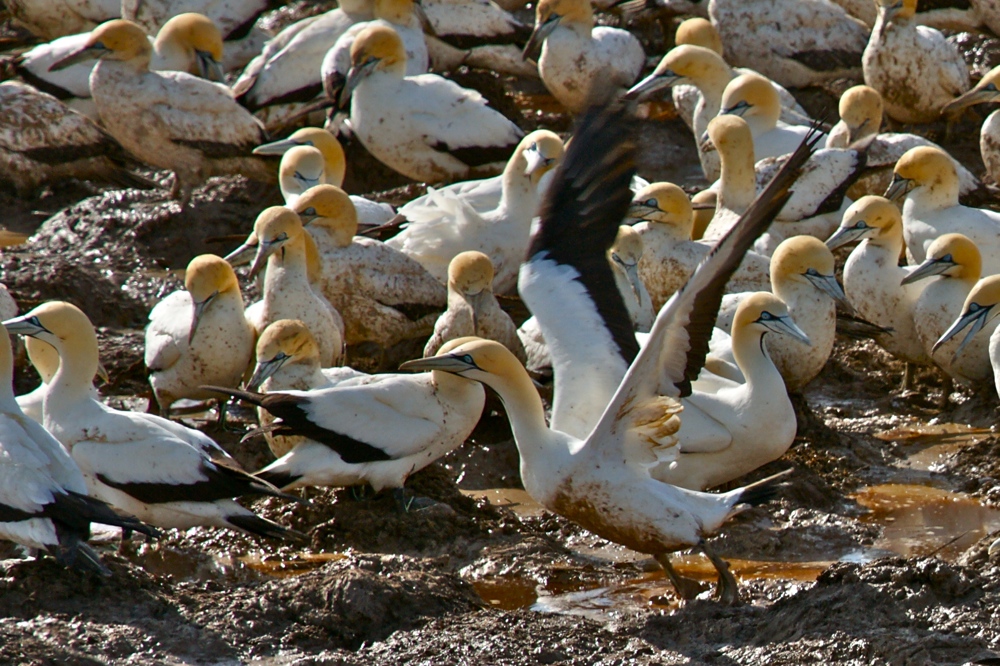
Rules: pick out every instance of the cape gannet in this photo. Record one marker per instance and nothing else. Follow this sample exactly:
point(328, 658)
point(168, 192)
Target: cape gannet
point(288, 358)
point(797, 43)
point(926, 177)
point(45, 359)
point(425, 127)
point(375, 430)
point(234, 18)
point(301, 168)
point(802, 276)
point(602, 481)
point(198, 335)
point(44, 503)
point(288, 69)
point(187, 43)
point(473, 310)
point(169, 120)
point(162, 472)
point(49, 19)
point(979, 311)
point(873, 277)
point(753, 98)
point(670, 256)
point(954, 263)
point(989, 135)
point(42, 141)
point(281, 245)
point(370, 213)
point(576, 59)
point(447, 225)
point(624, 255)
point(383, 295)
point(860, 119)
point(912, 66)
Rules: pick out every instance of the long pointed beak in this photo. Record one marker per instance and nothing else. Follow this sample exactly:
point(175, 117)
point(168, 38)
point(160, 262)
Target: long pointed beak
point(970, 98)
point(265, 369)
point(244, 254)
point(264, 250)
point(652, 84)
point(533, 49)
point(211, 68)
point(632, 273)
point(828, 284)
point(897, 188)
point(975, 318)
point(355, 76)
point(447, 363)
point(102, 372)
point(535, 161)
point(845, 235)
point(853, 133)
point(927, 269)
point(80, 55)
point(25, 325)
point(640, 211)
point(275, 147)
point(199, 311)
point(785, 326)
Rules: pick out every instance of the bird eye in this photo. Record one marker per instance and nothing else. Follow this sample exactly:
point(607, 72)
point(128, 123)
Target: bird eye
point(991, 87)
point(35, 322)
point(766, 316)
point(861, 225)
point(975, 307)
point(813, 272)
point(947, 258)
point(652, 203)
point(310, 211)
point(468, 359)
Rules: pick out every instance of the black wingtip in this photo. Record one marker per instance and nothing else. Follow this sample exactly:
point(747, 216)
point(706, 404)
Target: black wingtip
point(278, 479)
point(764, 490)
point(247, 396)
point(265, 528)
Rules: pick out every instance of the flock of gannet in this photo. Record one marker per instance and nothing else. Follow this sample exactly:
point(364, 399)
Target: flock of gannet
point(675, 326)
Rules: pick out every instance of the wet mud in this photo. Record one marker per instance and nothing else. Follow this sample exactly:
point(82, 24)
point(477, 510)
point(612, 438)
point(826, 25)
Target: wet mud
point(875, 551)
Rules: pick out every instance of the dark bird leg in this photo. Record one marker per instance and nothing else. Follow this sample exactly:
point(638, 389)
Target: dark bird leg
point(686, 588)
point(728, 590)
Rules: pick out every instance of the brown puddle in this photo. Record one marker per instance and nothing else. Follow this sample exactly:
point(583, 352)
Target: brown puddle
point(284, 566)
point(933, 442)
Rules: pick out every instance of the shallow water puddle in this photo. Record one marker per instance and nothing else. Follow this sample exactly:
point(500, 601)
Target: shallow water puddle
point(284, 566)
point(933, 442)
point(922, 520)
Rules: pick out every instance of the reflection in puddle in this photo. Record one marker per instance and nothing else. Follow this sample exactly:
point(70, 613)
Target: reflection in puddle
point(920, 520)
point(933, 442)
point(285, 565)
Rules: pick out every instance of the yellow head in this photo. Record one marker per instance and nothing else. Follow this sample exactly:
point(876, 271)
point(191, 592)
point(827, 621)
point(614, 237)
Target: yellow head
point(923, 166)
point(114, 40)
point(979, 309)
point(987, 90)
point(730, 135)
point(284, 342)
point(953, 255)
point(276, 228)
point(762, 312)
point(43, 357)
point(208, 275)
point(333, 153)
point(329, 207)
point(894, 10)
point(692, 62)
point(805, 259)
point(197, 35)
point(486, 361)
point(561, 11)
point(861, 110)
point(65, 327)
point(378, 47)
point(663, 203)
point(704, 204)
point(699, 32)
point(752, 96)
point(541, 151)
point(302, 167)
point(470, 273)
point(627, 248)
point(985, 294)
point(871, 217)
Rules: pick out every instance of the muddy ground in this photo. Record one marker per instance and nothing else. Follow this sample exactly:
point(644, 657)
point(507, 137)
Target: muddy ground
point(874, 553)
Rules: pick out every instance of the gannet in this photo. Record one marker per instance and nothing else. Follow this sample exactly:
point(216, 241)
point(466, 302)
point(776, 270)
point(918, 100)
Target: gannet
point(43, 141)
point(816, 201)
point(370, 213)
point(170, 120)
point(45, 359)
point(912, 66)
point(872, 277)
point(44, 503)
point(473, 310)
point(624, 255)
point(979, 311)
point(860, 118)
point(162, 472)
point(448, 225)
point(797, 43)
point(187, 43)
point(198, 335)
point(954, 263)
point(989, 135)
point(288, 358)
point(49, 19)
point(281, 246)
point(927, 178)
point(425, 127)
point(663, 216)
point(576, 59)
point(376, 430)
point(301, 168)
point(753, 98)
point(235, 19)
point(288, 69)
point(602, 481)
point(383, 295)
point(802, 276)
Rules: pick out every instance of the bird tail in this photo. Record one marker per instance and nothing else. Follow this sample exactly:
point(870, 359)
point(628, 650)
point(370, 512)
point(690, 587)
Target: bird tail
point(761, 491)
point(246, 396)
point(266, 528)
point(280, 478)
point(74, 552)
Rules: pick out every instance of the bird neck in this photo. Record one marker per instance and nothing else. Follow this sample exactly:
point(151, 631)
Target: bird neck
point(287, 263)
point(525, 412)
point(78, 361)
point(711, 79)
point(737, 180)
point(939, 194)
point(751, 356)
